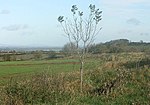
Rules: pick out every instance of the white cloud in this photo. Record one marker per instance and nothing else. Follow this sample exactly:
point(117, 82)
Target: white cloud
point(144, 34)
point(4, 12)
point(15, 27)
point(133, 21)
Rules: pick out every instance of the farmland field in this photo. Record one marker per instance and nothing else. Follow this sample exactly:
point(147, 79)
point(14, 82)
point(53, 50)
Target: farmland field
point(21, 68)
point(7, 68)
point(16, 68)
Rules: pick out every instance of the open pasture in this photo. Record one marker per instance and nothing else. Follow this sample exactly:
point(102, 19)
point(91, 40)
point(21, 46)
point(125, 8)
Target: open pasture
point(19, 67)
point(108, 79)
point(25, 69)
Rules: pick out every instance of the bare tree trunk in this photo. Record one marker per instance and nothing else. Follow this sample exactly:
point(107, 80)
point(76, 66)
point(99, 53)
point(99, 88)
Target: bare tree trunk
point(81, 76)
point(82, 57)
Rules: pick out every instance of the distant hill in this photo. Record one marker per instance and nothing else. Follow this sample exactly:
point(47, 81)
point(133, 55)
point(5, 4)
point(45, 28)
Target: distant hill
point(120, 45)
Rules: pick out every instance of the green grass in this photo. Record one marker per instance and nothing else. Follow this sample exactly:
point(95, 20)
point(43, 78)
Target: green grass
point(131, 88)
point(17, 67)
point(25, 69)
point(55, 66)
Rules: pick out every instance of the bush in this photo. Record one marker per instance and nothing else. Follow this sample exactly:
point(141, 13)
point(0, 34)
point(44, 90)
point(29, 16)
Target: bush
point(145, 62)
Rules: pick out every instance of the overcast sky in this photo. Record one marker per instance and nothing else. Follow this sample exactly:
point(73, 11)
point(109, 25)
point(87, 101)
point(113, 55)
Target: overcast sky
point(34, 22)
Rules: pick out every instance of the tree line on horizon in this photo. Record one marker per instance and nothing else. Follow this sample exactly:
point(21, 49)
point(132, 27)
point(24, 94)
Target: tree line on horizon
point(113, 46)
point(118, 46)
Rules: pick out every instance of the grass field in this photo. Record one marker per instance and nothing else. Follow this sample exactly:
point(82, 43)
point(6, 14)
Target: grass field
point(16, 67)
point(22, 68)
point(57, 65)
point(50, 82)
